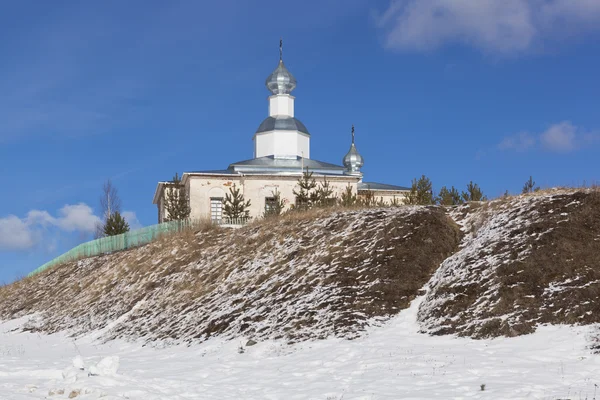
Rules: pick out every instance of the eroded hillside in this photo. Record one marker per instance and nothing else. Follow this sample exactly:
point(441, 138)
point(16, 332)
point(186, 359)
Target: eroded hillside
point(490, 269)
point(524, 261)
point(303, 276)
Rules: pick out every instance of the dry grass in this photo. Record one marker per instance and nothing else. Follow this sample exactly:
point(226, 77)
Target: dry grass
point(304, 275)
point(545, 270)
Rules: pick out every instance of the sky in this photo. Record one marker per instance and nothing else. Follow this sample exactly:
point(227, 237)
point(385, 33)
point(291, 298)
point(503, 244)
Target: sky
point(490, 91)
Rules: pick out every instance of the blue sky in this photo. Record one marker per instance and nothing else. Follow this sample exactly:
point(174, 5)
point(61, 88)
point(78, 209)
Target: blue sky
point(489, 91)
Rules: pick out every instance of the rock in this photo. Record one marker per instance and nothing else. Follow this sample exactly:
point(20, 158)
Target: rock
point(78, 363)
point(108, 366)
point(250, 343)
point(74, 393)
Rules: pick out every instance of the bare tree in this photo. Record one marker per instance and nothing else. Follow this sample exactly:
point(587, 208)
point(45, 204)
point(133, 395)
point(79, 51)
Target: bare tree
point(110, 203)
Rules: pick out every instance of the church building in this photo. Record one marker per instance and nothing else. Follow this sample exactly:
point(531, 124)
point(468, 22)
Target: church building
point(281, 155)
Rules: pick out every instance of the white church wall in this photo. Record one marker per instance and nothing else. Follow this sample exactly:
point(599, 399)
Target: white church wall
point(202, 189)
point(281, 105)
point(388, 196)
point(282, 144)
point(303, 144)
point(264, 145)
point(255, 188)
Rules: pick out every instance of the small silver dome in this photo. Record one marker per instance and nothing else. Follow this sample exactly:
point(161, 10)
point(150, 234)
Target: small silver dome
point(281, 81)
point(353, 161)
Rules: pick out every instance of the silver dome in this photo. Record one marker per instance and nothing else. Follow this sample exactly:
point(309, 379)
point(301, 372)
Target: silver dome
point(353, 161)
point(281, 81)
point(282, 123)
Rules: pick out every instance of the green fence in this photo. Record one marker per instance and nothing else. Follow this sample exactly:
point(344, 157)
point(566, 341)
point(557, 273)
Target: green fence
point(115, 243)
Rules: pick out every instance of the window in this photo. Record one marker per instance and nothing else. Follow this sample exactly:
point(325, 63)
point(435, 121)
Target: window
point(270, 204)
point(216, 209)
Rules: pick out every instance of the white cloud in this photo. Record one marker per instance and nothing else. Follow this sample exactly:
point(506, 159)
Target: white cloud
point(78, 217)
point(493, 26)
point(561, 137)
point(520, 142)
point(15, 234)
point(132, 220)
point(24, 233)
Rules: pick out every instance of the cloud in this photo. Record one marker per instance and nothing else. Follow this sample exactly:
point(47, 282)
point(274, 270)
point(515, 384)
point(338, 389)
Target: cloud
point(79, 217)
point(132, 219)
point(25, 233)
point(562, 137)
point(492, 26)
point(15, 234)
point(520, 142)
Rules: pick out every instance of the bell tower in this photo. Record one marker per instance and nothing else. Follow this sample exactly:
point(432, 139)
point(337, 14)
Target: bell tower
point(281, 135)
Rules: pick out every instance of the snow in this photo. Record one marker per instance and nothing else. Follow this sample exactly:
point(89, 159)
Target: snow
point(392, 361)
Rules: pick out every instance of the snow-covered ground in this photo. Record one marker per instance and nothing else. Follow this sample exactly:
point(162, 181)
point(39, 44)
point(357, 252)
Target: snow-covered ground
point(389, 362)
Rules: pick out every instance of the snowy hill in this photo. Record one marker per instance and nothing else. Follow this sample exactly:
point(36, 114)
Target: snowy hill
point(497, 268)
point(524, 261)
point(388, 362)
point(305, 276)
point(404, 283)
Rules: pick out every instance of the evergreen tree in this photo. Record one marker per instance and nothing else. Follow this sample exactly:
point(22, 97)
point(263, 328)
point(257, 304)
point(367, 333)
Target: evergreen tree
point(306, 196)
point(324, 194)
point(276, 206)
point(449, 197)
point(395, 202)
point(473, 193)
point(381, 202)
point(234, 205)
point(110, 202)
point(177, 201)
point(421, 192)
point(530, 187)
point(115, 225)
point(348, 198)
point(367, 198)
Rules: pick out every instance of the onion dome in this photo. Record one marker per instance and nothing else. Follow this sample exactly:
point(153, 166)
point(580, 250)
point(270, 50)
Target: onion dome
point(281, 81)
point(353, 161)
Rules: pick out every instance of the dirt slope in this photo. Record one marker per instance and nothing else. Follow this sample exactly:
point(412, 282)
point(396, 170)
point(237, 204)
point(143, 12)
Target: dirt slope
point(524, 261)
point(300, 277)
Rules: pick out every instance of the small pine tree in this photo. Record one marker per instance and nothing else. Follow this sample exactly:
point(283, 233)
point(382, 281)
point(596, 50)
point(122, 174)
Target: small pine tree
point(177, 201)
point(306, 196)
point(324, 194)
point(395, 202)
point(234, 205)
point(348, 198)
point(530, 187)
point(367, 198)
point(473, 193)
point(449, 197)
point(115, 225)
point(421, 192)
point(276, 206)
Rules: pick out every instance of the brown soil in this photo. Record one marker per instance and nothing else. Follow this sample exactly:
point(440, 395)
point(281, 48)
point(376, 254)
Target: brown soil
point(546, 270)
point(298, 277)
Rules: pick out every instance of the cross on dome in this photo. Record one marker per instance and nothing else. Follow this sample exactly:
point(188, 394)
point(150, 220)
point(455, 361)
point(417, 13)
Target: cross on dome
point(281, 81)
point(353, 161)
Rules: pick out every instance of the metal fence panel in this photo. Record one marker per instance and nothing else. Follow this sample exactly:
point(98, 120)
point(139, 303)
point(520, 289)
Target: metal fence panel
point(111, 244)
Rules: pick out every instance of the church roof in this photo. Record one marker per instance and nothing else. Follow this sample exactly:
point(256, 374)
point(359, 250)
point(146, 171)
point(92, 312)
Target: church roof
point(380, 186)
point(282, 123)
point(270, 165)
point(296, 164)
